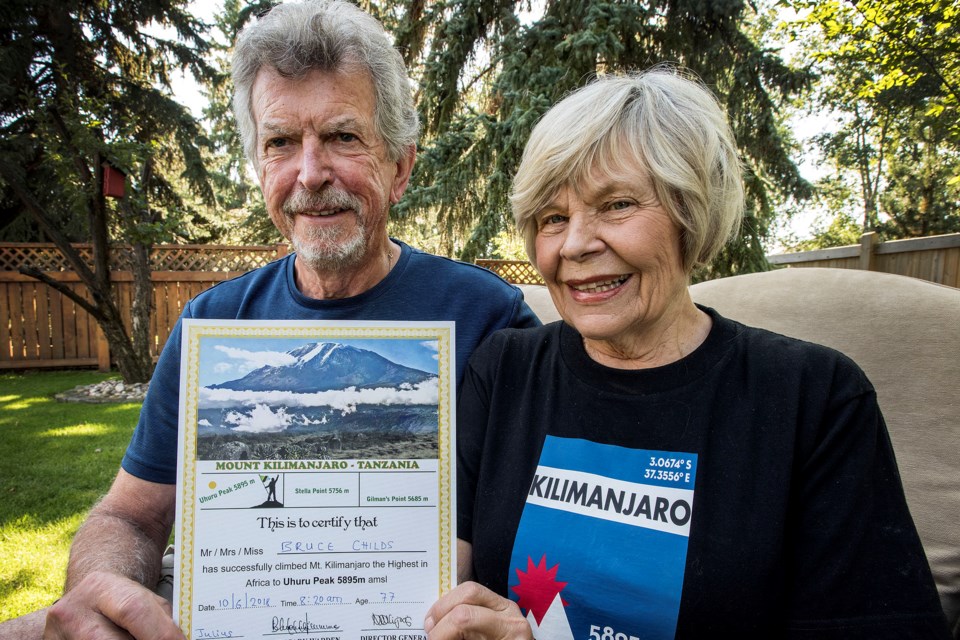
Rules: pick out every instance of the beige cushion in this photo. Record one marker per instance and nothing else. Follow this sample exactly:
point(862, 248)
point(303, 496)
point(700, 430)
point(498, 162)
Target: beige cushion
point(537, 296)
point(905, 334)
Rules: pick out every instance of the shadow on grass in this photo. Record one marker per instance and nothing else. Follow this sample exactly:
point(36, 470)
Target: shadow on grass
point(12, 585)
point(22, 579)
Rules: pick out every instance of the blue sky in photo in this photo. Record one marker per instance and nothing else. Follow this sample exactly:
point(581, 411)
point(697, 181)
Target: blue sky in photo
point(237, 356)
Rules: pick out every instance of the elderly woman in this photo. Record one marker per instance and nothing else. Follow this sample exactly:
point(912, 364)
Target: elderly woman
point(646, 468)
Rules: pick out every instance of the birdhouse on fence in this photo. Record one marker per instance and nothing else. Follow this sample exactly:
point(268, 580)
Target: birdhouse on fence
point(114, 181)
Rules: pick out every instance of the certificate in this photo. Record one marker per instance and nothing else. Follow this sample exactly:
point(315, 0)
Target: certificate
point(315, 492)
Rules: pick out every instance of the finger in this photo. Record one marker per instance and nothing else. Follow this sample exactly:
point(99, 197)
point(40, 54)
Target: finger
point(470, 593)
point(472, 608)
point(472, 622)
point(144, 614)
point(109, 606)
point(64, 622)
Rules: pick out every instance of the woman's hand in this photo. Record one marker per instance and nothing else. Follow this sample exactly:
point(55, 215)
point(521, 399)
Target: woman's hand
point(473, 612)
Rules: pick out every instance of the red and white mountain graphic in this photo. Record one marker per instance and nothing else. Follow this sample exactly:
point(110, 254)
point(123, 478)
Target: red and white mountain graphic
point(539, 593)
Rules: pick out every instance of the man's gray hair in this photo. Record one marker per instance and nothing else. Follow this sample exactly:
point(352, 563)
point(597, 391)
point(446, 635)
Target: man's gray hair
point(667, 124)
point(334, 35)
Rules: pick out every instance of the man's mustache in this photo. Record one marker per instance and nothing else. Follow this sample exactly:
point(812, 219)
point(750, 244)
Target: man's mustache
point(330, 198)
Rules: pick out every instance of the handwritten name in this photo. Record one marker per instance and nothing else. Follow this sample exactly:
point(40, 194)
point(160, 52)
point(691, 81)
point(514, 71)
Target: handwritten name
point(213, 633)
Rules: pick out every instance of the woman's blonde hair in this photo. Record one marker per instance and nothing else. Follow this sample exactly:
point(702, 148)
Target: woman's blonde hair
point(660, 120)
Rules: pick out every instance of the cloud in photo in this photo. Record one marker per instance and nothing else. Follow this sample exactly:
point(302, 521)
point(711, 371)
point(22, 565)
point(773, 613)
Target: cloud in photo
point(252, 360)
point(345, 400)
point(432, 345)
point(262, 419)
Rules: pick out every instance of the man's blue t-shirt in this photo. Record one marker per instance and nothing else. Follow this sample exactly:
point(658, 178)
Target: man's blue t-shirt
point(420, 287)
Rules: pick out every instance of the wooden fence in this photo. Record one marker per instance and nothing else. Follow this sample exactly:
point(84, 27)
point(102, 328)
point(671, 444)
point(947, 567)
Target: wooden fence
point(935, 259)
point(40, 327)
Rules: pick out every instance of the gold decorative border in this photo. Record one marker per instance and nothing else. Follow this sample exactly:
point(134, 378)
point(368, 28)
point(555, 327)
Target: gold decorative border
point(194, 331)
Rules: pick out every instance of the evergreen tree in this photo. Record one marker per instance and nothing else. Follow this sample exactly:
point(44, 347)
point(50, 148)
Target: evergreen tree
point(85, 84)
point(489, 69)
point(244, 214)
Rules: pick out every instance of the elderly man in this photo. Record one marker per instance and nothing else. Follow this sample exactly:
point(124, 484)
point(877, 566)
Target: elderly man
point(324, 107)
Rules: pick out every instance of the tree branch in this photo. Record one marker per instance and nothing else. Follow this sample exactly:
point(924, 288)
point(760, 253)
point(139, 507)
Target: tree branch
point(35, 273)
point(50, 228)
point(476, 78)
point(910, 46)
point(78, 159)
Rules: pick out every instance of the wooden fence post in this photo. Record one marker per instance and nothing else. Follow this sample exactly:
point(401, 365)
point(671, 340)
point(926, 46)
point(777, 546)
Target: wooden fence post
point(868, 251)
point(103, 352)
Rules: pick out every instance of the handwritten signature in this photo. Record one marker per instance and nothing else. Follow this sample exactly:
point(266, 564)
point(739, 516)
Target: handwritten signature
point(388, 620)
point(291, 625)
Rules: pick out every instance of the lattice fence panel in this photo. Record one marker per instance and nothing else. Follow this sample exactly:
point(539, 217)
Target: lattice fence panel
point(174, 258)
point(46, 257)
point(515, 271)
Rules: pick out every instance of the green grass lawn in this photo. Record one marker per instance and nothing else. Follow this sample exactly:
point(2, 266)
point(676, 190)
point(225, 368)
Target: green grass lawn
point(56, 460)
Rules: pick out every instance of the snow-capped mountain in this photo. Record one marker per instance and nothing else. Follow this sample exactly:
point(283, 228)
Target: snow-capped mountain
point(326, 366)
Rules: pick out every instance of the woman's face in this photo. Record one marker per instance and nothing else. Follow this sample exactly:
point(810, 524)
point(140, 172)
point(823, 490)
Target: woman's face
point(611, 257)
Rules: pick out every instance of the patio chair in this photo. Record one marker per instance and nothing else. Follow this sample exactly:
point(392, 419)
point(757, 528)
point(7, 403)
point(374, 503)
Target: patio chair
point(905, 334)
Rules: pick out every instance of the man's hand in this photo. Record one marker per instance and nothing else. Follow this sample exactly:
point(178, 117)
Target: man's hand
point(115, 553)
point(471, 611)
point(107, 606)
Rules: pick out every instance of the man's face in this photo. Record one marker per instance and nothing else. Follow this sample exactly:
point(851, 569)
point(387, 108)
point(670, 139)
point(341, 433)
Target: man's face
point(326, 178)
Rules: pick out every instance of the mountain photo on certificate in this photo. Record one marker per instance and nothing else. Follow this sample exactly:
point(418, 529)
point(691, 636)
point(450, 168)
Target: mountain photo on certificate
point(269, 398)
